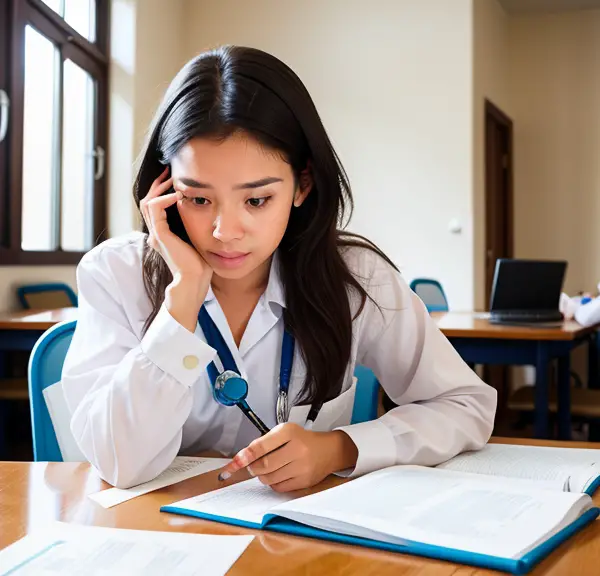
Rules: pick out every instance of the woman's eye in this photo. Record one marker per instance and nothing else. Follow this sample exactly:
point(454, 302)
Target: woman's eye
point(199, 201)
point(257, 202)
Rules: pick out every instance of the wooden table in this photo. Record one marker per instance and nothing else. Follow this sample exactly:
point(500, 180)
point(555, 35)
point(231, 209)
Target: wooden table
point(480, 342)
point(21, 330)
point(32, 494)
point(35, 319)
point(477, 325)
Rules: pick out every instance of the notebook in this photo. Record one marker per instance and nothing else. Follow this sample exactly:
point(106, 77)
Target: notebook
point(477, 518)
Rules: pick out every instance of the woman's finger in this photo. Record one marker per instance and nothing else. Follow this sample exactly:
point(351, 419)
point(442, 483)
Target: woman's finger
point(156, 222)
point(156, 191)
point(160, 185)
point(282, 474)
point(157, 208)
point(290, 485)
point(272, 461)
point(277, 437)
point(145, 215)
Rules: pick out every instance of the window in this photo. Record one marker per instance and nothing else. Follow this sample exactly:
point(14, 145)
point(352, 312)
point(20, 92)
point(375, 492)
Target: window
point(53, 116)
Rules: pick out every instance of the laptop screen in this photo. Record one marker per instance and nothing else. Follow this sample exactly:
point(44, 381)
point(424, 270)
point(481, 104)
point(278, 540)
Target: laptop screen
point(527, 284)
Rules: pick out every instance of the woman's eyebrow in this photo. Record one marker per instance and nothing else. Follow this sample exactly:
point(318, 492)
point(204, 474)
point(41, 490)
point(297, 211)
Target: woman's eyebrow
point(257, 183)
point(190, 182)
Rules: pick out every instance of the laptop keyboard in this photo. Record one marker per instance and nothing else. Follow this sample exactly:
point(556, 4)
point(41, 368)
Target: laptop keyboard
point(527, 315)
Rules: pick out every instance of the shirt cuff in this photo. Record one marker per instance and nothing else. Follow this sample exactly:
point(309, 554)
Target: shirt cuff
point(175, 350)
point(376, 447)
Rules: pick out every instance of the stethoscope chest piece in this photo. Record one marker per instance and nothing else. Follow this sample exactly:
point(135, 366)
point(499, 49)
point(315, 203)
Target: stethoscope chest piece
point(230, 388)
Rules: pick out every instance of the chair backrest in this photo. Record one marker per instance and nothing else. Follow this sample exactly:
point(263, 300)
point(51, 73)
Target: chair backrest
point(45, 368)
point(431, 293)
point(366, 397)
point(54, 295)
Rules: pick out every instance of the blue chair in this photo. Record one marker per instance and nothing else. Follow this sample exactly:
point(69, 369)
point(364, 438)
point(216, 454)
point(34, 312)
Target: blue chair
point(431, 293)
point(366, 397)
point(45, 368)
point(54, 295)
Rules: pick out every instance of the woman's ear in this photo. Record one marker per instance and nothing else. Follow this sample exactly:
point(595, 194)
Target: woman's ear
point(305, 185)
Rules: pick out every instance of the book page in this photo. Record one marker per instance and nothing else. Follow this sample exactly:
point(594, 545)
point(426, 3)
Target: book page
point(570, 468)
point(73, 549)
point(248, 501)
point(182, 468)
point(407, 504)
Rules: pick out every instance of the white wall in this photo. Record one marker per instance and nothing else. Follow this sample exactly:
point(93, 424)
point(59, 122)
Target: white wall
point(491, 82)
point(555, 74)
point(123, 65)
point(160, 54)
point(147, 50)
point(392, 80)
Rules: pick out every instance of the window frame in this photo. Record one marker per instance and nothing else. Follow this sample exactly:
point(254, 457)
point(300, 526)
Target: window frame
point(93, 58)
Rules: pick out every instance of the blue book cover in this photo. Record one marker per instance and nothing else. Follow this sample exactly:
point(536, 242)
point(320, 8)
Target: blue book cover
point(515, 566)
point(354, 513)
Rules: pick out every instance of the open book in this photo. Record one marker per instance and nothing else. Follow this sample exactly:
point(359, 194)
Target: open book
point(496, 522)
point(567, 469)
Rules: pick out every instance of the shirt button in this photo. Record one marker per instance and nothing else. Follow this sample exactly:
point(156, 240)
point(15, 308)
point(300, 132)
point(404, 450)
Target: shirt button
point(190, 362)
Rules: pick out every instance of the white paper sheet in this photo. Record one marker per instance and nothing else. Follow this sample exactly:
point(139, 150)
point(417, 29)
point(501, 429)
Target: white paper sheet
point(571, 469)
point(72, 549)
point(248, 501)
point(182, 468)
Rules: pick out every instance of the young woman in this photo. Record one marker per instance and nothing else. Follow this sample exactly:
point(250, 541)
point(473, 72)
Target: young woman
point(241, 194)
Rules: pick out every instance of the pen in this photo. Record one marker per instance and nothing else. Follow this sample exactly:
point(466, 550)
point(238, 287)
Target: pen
point(312, 416)
point(250, 414)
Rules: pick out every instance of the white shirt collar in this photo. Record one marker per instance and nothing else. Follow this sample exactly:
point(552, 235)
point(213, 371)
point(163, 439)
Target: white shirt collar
point(274, 293)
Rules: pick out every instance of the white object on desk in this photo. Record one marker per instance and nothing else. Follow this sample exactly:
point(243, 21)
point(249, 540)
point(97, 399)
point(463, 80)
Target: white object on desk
point(588, 314)
point(182, 468)
point(73, 549)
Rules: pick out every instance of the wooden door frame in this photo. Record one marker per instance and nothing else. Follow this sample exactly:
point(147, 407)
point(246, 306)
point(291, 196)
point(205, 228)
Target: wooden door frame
point(493, 112)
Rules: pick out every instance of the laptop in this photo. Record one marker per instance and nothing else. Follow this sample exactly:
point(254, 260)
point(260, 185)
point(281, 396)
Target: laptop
point(527, 291)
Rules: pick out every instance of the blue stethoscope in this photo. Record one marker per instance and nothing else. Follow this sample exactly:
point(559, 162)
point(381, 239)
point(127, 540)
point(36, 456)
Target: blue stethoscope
point(229, 388)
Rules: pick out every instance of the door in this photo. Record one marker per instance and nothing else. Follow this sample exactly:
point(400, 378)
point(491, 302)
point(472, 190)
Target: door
point(499, 228)
point(498, 191)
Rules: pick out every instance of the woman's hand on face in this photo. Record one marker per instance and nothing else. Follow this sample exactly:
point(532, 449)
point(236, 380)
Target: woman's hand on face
point(182, 259)
point(291, 458)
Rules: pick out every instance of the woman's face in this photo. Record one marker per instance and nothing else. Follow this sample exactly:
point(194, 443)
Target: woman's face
point(237, 198)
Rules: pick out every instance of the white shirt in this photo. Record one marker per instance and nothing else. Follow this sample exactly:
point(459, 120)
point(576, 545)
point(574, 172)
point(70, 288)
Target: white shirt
point(139, 400)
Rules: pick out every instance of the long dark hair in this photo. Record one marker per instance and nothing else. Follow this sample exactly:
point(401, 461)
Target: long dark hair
point(234, 89)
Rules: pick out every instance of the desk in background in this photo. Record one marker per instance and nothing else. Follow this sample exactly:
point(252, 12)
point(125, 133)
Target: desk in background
point(36, 493)
point(475, 339)
point(19, 331)
point(479, 342)
point(34, 320)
